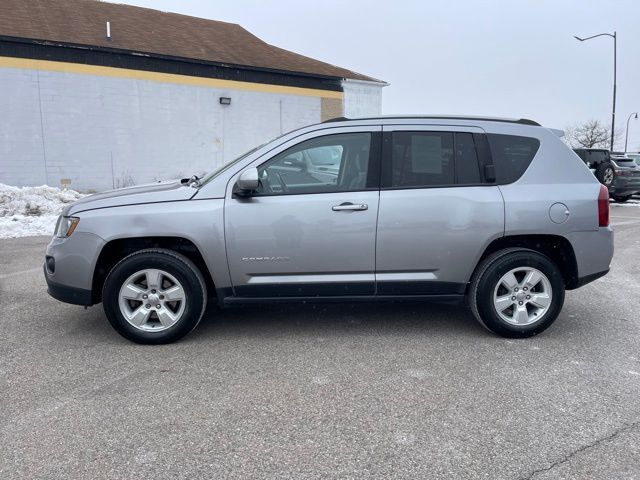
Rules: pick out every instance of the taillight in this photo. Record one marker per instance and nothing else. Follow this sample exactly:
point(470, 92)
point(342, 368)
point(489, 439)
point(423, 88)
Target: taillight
point(603, 207)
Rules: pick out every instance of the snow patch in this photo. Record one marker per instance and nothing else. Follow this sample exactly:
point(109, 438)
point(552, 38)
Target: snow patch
point(27, 211)
point(629, 203)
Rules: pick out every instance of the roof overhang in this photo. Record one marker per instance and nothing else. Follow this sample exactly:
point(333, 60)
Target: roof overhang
point(377, 83)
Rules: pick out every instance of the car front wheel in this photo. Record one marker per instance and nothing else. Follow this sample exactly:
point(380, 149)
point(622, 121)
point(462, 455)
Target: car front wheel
point(154, 296)
point(516, 293)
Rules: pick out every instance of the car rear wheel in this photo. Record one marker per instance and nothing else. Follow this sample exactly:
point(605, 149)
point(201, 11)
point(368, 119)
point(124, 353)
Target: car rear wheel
point(621, 198)
point(516, 293)
point(604, 173)
point(154, 296)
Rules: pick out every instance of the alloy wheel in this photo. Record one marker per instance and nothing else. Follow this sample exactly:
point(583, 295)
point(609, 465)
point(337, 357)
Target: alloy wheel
point(152, 300)
point(608, 176)
point(522, 296)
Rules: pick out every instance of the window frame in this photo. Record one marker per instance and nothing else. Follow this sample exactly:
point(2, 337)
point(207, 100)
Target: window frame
point(372, 182)
point(386, 175)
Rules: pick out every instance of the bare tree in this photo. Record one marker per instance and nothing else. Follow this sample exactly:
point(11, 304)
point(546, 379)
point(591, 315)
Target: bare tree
point(590, 134)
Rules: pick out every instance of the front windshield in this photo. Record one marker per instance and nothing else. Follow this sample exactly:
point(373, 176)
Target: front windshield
point(207, 178)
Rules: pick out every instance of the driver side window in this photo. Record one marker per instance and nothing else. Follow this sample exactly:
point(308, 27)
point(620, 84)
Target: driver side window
point(333, 163)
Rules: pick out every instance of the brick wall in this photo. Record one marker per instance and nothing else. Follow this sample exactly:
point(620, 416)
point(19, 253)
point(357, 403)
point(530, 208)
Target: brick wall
point(330, 108)
point(93, 132)
point(101, 132)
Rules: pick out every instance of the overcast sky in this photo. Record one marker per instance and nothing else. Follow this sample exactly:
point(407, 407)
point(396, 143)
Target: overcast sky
point(503, 58)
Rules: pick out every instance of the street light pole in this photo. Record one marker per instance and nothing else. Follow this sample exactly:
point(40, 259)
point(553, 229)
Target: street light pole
point(626, 137)
point(615, 69)
point(615, 54)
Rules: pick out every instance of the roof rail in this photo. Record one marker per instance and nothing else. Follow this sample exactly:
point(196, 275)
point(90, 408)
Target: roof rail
point(526, 121)
point(521, 121)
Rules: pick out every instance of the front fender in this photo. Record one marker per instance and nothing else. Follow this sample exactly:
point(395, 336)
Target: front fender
point(199, 221)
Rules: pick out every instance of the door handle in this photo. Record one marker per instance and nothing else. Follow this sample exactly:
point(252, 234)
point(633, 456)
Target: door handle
point(348, 206)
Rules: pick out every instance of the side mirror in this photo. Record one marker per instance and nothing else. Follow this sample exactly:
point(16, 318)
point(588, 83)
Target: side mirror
point(248, 181)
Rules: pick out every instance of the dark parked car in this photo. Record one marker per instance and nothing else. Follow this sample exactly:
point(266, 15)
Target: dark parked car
point(634, 156)
point(619, 173)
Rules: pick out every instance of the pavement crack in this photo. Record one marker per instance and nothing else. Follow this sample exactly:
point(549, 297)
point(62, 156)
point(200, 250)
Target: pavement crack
point(625, 427)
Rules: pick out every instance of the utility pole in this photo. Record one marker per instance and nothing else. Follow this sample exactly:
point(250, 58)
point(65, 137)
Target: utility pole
point(626, 137)
point(615, 67)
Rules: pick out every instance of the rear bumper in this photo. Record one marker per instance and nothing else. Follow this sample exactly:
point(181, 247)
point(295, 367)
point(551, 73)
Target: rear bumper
point(582, 281)
point(593, 251)
point(625, 186)
point(64, 293)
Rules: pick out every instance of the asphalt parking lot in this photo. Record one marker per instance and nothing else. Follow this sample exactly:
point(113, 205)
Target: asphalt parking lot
point(331, 391)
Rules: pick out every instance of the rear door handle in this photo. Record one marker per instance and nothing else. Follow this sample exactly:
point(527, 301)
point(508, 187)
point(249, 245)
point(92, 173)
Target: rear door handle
point(348, 206)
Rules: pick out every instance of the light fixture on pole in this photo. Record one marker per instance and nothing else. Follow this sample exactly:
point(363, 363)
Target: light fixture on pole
point(613, 113)
point(626, 137)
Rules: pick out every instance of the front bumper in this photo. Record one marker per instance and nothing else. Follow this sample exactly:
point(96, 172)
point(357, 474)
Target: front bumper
point(64, 293)
point(72, 262)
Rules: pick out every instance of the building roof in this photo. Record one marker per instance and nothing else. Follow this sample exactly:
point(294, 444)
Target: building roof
point(147, 31)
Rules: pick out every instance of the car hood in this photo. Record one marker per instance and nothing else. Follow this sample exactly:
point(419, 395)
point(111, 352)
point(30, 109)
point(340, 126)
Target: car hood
point(168, 191)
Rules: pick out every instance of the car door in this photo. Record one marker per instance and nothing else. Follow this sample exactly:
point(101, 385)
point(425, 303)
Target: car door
point(437, 210)
point(306, 231)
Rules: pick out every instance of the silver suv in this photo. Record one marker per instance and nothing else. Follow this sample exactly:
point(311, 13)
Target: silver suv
point(500, 212)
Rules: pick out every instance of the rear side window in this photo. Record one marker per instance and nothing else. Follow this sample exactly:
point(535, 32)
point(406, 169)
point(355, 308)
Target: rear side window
point(427, 159)
point(512, 155)
point(422, 159)
point(597, 156)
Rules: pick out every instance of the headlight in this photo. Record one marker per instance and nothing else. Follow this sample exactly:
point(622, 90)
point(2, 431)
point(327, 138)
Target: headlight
point(66, 226)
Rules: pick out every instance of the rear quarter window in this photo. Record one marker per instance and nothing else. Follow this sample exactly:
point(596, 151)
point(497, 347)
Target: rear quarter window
point(511, 155)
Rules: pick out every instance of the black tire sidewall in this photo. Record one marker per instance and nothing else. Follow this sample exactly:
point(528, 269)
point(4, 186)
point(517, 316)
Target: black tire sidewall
point(181, 270)
point(494, 272)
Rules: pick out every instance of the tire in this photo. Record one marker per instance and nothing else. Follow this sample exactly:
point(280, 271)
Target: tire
point(129, 292)
point(487, 284)
point(605, 174)
point(621, 198)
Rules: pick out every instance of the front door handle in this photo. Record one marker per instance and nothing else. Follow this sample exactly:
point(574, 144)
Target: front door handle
point(348, 206)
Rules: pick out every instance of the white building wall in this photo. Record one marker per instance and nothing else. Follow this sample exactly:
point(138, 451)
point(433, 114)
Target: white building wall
point(21, 145)
point(97, 132)
point(362, 99)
